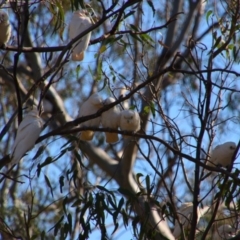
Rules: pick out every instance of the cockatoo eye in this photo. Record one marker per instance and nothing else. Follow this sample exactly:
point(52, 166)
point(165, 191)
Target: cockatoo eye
point(232, 147)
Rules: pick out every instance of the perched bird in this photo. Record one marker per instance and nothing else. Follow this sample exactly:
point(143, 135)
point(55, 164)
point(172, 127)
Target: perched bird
point(79, 23)
point(129, 121)
point(224, 232)
point(27, 134)
point(5, 28)
point(111, 119)
point(185, 217)
point(91, 106)
point(222, 154)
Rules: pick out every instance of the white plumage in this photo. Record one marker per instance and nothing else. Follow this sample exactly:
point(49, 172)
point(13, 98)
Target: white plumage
point(91, 106)
point(222, 154)
point(5, 28)
point(224, 232)
point(129, 121)
point(27, 134)
point(111, 119)
point(79, 23)
point(185, 217)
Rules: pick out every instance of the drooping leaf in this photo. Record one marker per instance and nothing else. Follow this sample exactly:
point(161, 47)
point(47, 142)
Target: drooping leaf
point(39, 152)
point(209, 13)
point(69, 217)
point(152, 6)
point(57, 226)
point(49, 184)
point(61, 182)
point(104, 189)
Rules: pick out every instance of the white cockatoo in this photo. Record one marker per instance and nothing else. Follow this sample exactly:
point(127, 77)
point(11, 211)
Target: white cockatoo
point(79, 23)
point(91, 106)
point(123, 92)
point(185, 218)
point(224, 232)
point(222, 154)
point(111, 119)
point(27, 134)
point(5, 28)
point(130, 121)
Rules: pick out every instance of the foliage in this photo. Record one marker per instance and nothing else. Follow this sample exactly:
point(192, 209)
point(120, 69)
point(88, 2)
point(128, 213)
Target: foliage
point(176, 63)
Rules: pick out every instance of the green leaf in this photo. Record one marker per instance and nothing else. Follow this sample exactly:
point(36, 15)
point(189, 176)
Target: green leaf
point(138, 175)
point(39, 152)
point(61, 181)
point(104, 189)
point(152, 6)
point(78, 68)
point(125, 218)
point(123, 77)
point(152, 107)
point(209, 13)
point(79, 159)
point(65, 144)
point(102, 49)
point(57, 226)
point(47, 161)
point(58, 17)
point(218, 40)
point(148, 183)
point(134, 27)
point(113, 204)
point(128, 14)
point(128, 193)
point(78, 202)
point(70, 222)
point(135, 36)
point(147, 39)
point(116, 227)
point(43, 234)
point(132, 107)
point(99, 70)
point(49, 184)
point(75, 4)
point(146, 110)
point(65, 202)
point(110, 40)
point(121, 202)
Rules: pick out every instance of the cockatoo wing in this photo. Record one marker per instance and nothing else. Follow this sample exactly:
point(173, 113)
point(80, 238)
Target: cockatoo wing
point(5, 28)
point(222, 154)
point(129, 121)
point(89, 107)
point(27, 134)
point(111, 119)
point(79, 23)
